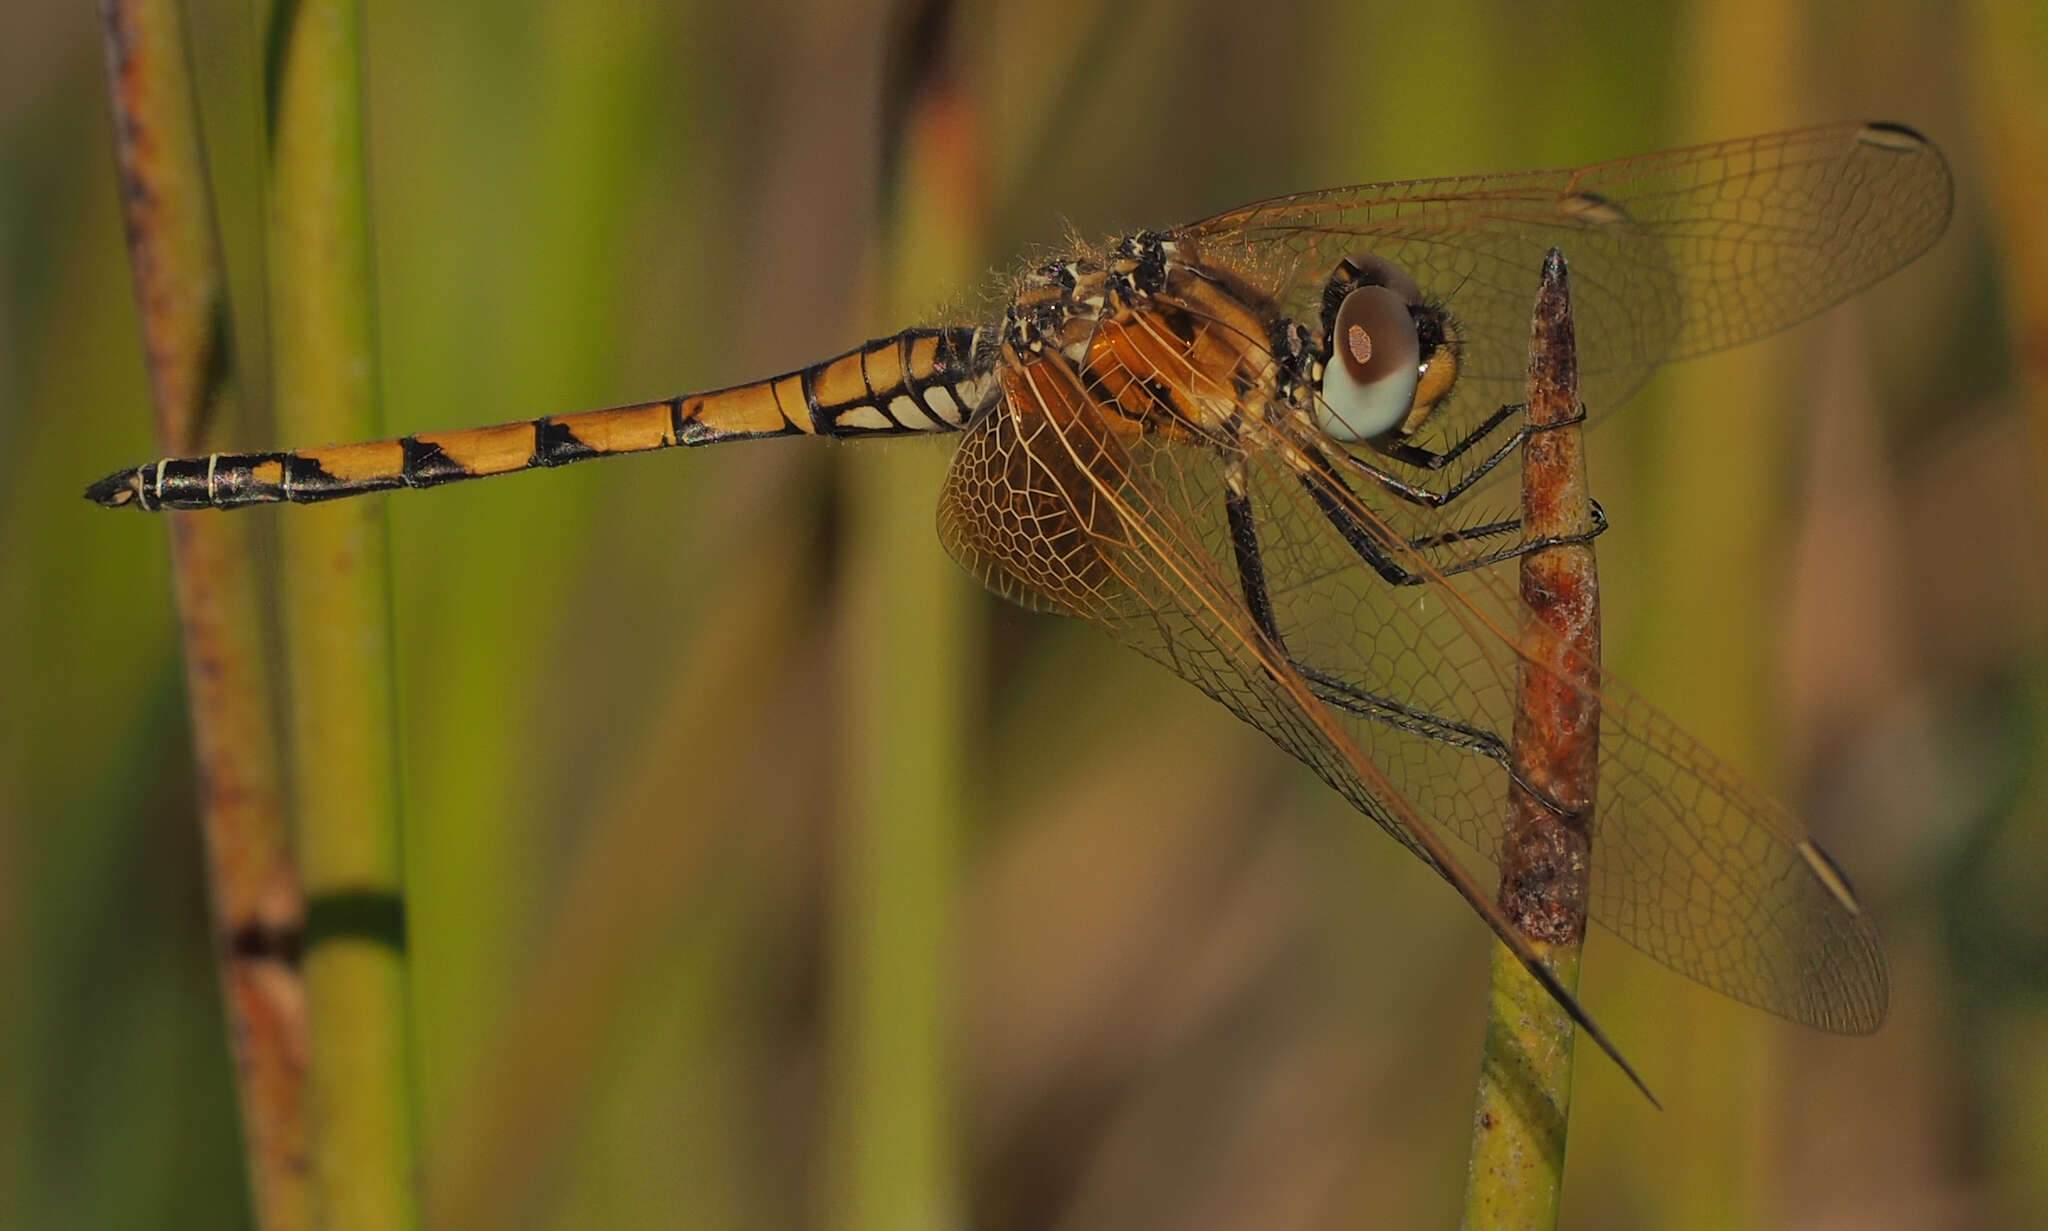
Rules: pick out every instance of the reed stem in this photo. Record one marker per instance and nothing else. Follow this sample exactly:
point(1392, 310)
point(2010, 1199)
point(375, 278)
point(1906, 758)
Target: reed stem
point(1524, 1100)
point(335, 587)
point(894, 1150)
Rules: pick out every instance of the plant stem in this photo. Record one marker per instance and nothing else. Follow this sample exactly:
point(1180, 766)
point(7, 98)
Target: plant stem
point(1519, 1125)
point(181, 296)
point(337, 615)
point(893, 1148)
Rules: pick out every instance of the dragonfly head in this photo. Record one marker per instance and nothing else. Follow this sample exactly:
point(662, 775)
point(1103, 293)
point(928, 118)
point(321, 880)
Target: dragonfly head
point(1388, 356)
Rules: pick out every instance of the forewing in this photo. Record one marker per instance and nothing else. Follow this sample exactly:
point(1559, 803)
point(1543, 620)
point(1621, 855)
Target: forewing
point(1673, 254)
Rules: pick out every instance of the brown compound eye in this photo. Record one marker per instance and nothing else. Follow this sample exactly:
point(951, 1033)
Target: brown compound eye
point(1379, 271)
point(1375, 363)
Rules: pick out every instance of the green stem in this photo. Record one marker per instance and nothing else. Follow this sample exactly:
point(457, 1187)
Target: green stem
point(898, 859)
point(910, 646)
point(337, 615)
point(1525, 1093)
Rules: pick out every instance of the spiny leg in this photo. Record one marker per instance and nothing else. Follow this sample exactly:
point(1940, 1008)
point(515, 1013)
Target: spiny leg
point(1336, 498)
point(1244, 544)
point(1341, 694)
point(1432, 460)
point(1513, 551)
point(1334, 692)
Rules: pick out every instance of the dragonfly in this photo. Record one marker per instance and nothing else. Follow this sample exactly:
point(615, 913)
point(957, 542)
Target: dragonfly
point(1250, 448)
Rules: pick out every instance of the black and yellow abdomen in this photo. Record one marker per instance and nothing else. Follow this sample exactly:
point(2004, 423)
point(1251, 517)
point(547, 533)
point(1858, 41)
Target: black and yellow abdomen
point(921, 380)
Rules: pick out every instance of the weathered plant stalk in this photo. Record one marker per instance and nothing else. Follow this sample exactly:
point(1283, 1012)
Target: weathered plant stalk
point(1518, 1132)
point(181, 299)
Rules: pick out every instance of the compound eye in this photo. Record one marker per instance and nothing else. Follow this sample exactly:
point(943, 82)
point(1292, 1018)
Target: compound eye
point(1379, 271)
point(1374, 365)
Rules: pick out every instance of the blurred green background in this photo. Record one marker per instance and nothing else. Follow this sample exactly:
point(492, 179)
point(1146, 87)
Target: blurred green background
point(1181, 985)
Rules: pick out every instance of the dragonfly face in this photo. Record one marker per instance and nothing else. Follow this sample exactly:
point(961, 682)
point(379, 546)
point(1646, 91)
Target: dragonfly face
point(1395, 354)
point(1232, 446)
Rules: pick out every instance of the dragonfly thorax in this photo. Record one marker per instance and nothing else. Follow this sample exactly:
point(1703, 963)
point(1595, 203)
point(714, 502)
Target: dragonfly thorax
point(1152, 334)
point(1059, 305)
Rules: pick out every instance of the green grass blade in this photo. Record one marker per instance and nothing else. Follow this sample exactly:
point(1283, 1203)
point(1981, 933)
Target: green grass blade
point(337, 616)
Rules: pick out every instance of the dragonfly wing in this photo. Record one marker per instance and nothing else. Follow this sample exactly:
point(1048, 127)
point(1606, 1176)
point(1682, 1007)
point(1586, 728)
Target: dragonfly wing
point(1401, 698)
point(1673, 254)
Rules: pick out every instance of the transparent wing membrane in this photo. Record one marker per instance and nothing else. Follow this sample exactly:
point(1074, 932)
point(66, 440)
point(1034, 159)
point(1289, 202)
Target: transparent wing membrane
point(1673, 255)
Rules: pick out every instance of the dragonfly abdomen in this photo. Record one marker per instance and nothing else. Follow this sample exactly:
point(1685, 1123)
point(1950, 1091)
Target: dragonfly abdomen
point(920, 380)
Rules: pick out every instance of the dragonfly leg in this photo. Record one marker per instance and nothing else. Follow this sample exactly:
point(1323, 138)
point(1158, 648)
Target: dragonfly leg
point(1251, 566)
point(1344, 695)
point(1332, 691)
point(1434, 461)
point(1369, 547)
point(1513, 551)
point(1324, 488)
